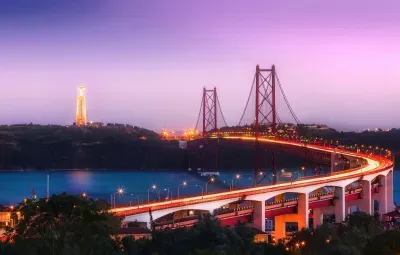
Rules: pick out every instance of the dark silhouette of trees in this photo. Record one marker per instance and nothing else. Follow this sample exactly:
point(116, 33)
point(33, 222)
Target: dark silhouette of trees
point(62, 224)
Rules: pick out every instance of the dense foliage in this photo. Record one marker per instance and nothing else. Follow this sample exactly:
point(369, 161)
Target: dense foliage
point(72, 225)
point(353, 237)
point(128, 147)
point(112, 147)
point(63, 224)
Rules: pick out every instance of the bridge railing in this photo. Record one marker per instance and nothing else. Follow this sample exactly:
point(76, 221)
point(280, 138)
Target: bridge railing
point(184, 201)
point(187, 202)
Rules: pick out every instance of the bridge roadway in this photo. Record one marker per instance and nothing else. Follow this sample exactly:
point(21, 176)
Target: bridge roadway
point(229, 217)
point(375, 166)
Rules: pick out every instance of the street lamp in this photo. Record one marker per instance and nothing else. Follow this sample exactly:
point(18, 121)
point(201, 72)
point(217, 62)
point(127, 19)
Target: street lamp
point(201, 189)
point(237, 177)
point(153, 187)
point(120, 191)
point(168, 193)
point(84, 195)
point(303, 170)
point(212, 179)
point(184, 184)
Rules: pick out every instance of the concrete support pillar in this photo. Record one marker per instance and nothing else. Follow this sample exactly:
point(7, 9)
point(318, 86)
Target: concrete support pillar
point(259, 215)
point(340, 206)
point(365, 203)
point(318, 217)
point(302, 211)
point(389, 182)
point(383, 195)
point(333, 160)
point(280, 226)
point(302, 218)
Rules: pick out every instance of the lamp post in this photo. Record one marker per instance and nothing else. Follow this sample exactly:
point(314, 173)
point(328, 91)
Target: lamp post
point(303, 170)
point(120, 191)
point(169, 193)
point(138, 200)
point(201, 189)
point(184, 184)
point(212, 179)
point(230, 187)
point(237, 177)
point(277, 176)
point(153, 187)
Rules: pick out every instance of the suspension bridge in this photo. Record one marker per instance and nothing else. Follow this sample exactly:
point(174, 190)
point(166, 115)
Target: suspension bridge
point(358, 176)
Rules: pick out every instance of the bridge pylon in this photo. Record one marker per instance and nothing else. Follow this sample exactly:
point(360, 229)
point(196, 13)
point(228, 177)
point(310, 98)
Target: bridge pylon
point(210, 116)
point(265, 115)
point(209, 110)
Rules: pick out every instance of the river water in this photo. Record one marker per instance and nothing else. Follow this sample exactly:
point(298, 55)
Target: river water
point(100, 184)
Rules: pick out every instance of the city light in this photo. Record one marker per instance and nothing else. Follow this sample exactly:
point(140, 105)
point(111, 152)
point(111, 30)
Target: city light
point(120, 191)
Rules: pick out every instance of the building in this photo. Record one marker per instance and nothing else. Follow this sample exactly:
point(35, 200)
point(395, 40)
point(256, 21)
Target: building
point(260, 236)
point(135, 232)
point(96, 124)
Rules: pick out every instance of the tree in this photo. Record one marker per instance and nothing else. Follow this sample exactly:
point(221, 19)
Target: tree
point(386, 243)
point(63, 224)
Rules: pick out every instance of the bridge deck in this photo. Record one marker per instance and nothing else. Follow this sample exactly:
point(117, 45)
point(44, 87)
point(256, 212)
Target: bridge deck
point(375, 164)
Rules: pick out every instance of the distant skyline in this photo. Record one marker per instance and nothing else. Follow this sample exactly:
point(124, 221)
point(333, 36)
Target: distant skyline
point(145, 62)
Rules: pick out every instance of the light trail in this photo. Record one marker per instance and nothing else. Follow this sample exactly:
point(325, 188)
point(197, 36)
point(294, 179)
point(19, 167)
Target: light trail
point(373, 165)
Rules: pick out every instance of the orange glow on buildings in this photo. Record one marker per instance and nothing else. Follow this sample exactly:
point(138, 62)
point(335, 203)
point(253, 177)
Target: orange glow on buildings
point(80, 118)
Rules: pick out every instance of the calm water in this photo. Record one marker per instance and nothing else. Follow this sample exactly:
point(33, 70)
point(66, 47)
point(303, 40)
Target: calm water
point(15, 186)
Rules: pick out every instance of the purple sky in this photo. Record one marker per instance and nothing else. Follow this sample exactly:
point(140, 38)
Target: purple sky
point(145, 62)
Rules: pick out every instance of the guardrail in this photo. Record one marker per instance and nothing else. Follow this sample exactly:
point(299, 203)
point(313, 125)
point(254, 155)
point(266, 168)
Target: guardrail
point(385, 163)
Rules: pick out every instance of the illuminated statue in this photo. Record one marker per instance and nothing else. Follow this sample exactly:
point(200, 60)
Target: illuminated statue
point(80, 119)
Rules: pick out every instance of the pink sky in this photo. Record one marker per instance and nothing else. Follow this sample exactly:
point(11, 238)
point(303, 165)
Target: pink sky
point(146, 63)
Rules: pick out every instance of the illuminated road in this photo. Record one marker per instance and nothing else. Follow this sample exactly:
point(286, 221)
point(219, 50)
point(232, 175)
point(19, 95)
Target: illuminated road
point(375, 164)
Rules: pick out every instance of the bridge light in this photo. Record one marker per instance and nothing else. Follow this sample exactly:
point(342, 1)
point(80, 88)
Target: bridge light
point(237, 176)
point(184, 183)
point(212, 179)
point(261, 173)
point(120, 191)
point(153, 186)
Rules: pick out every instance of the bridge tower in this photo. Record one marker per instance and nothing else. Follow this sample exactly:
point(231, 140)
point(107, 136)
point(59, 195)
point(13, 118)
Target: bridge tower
point(209, 110)
point(209, 118)
point(80, 119)
point(265, 114)
point(209, 121)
